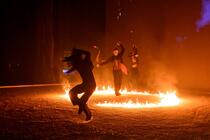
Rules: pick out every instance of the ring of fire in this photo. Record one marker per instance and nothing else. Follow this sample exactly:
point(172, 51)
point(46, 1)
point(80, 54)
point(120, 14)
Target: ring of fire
point(130, 99)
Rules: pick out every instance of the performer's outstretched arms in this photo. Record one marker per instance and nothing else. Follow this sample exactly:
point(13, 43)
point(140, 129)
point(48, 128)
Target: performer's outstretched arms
point(110, 59)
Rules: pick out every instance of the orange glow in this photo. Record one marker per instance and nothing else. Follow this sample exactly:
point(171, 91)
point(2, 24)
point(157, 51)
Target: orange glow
point(166, 99)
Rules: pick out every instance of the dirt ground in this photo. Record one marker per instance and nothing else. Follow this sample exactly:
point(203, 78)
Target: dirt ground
point(44, 114)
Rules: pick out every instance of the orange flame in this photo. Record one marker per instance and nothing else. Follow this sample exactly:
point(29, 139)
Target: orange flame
point(167, 99)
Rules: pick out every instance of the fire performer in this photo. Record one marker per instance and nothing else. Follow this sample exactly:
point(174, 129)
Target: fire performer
point(118, 67)
point(80, 60)
point(134, 73)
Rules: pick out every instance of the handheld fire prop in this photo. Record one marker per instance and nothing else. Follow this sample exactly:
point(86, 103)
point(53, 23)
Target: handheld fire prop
point(105, 97)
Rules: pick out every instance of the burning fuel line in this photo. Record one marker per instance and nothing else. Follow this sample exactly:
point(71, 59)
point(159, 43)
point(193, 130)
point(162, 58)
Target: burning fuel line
point(165, 99)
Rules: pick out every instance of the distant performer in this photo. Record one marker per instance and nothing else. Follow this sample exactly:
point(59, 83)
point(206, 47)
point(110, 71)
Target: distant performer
point(118, 67)
point(80, 60)
point(134, 72)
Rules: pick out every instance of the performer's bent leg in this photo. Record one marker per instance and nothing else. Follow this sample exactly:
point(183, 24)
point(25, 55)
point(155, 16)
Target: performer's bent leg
point(87, 113)
point(85, 97)
point(89, 91)
point(117, 81)
point(73, 94)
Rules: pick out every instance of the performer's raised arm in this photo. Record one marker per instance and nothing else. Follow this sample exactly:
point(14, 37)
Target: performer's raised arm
point(110, 59)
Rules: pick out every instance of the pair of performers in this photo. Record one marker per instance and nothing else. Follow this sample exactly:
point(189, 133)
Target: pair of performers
point(80, 60)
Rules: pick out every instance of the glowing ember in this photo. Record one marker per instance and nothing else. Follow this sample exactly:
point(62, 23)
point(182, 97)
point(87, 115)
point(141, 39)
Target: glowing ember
point(166, 99)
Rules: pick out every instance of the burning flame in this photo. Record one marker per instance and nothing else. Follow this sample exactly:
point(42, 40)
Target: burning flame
point(166, 98)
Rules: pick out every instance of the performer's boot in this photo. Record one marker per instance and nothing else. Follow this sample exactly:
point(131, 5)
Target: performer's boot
point(117, 93)
point(87, 113)
point(82, 102)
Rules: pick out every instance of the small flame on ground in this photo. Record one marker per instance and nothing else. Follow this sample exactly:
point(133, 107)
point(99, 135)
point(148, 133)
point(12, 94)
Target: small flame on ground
point(167, 99)
point(66, 88)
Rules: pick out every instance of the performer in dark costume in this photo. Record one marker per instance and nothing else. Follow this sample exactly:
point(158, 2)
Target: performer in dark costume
point(80, 60)
point(134, 67)
point(118, 67)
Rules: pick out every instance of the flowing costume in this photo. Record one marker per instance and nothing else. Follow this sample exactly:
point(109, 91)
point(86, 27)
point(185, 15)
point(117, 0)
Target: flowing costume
point(118, 68)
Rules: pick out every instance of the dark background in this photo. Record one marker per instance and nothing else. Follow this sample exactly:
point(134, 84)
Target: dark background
point(37, 33)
